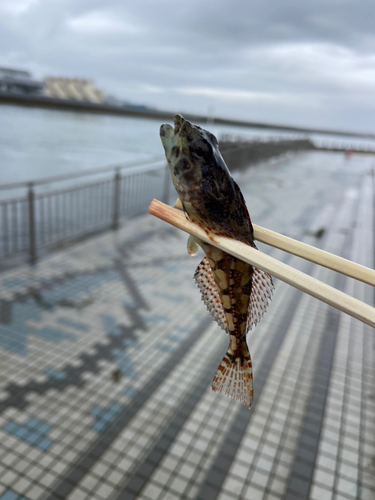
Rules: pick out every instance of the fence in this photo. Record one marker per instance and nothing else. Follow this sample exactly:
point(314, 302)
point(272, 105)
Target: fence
point(42, 219)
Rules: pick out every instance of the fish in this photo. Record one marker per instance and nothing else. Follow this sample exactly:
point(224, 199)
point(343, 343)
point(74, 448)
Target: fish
point(235, 293)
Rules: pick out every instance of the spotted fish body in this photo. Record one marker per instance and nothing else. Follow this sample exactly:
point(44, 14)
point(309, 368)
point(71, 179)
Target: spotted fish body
point(235, 293)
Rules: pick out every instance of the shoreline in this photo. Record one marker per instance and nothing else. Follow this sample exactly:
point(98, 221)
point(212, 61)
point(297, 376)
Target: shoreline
point(88, 107)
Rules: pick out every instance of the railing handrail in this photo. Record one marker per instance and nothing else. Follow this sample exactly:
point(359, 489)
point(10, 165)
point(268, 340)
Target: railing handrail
point(131, 168)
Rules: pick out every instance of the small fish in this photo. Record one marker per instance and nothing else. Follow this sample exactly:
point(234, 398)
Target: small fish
point(235, 293)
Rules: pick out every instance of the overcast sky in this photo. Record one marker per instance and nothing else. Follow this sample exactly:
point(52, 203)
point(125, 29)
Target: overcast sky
point(298, 62)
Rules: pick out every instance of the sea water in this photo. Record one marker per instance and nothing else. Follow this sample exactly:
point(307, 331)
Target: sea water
point(37, 143)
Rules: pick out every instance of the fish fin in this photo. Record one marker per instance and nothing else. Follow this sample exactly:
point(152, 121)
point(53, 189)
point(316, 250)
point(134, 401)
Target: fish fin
point(204, 278)
point(192, 246)
point(262, 288)
point(234, 377)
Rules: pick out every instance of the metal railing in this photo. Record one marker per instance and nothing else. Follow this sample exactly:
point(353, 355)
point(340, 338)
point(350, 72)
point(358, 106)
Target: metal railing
point(41, 219)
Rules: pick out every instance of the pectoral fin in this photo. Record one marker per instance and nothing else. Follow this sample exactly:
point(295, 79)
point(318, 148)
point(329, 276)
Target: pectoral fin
point(210, 295)
point(192, 246)
point(261, 293)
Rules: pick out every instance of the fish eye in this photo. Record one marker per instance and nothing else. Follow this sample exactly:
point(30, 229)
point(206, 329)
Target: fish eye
point(201, 149)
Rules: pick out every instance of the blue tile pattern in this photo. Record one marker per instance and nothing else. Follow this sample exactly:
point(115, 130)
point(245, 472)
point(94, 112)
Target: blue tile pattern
point(12, 495)
point(174, 298)
point(72, 293)
point(55, 373)
point(124, 362)
point(69, 292)
point(34, 432)
point(105, 416)
point(130, 392)
point(131, 343)
point(171, 341)
point(13, 282)
point(74, 324)
point(110, 324)
point(14, 337)
point(166, 348)
point(156, 318)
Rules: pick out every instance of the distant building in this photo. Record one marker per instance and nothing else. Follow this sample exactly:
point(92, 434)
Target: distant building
point(19, 81)
point(16, 81)
point(77, 89)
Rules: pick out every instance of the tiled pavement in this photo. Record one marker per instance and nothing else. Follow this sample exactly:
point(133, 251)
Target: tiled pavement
point(107, 353)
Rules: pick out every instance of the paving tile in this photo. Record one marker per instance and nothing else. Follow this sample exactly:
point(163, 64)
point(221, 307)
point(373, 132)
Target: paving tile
point(319, 493)
point(304, 469)
point(254, 493)
point(299, 486)
point(85, 334)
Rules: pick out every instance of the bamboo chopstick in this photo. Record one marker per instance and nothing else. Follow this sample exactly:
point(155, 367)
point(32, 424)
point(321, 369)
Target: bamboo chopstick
point(326, 259)
point(303, 282)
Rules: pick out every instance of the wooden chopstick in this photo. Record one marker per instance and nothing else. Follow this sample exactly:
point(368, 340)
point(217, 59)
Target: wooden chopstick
point(289, 275)
point(326, 259)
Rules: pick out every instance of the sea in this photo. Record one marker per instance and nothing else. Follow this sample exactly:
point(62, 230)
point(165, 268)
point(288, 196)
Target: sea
point(37, 143)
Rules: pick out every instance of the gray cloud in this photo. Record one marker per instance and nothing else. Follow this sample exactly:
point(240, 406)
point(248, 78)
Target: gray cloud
point(303, 63)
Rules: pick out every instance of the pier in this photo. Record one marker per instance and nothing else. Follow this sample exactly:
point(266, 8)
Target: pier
point(107, 351)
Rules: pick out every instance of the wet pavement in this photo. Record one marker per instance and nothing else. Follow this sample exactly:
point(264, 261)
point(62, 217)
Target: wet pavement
point(107, 354)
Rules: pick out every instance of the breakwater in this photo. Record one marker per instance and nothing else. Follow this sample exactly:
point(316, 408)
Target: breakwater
point(241, 154)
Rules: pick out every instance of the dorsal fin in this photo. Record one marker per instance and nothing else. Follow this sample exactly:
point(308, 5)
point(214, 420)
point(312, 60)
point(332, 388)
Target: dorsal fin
point(204, 278)
point(261, 293)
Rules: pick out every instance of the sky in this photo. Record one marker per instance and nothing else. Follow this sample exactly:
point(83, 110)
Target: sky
point(293, 62)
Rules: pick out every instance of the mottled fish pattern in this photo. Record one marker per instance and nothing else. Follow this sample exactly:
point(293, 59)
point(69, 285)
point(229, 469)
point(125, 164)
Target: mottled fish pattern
point(235, 293)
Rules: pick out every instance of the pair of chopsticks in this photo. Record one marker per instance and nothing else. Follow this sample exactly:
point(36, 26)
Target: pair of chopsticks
point(302, 281)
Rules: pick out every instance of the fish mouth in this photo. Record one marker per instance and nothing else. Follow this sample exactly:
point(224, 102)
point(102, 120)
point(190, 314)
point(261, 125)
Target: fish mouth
point(168, 139)
point(179, 122)
point(167, 131)
point(169, 135)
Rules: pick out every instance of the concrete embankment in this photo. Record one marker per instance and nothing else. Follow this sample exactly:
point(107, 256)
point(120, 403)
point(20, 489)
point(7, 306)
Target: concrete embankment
point(240, 154)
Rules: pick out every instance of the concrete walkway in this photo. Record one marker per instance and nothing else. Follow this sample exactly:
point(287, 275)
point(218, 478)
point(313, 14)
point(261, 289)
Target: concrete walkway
point(107, 354)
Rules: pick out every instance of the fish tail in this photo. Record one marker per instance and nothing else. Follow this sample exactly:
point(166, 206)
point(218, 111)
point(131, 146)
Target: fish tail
point(234, 377)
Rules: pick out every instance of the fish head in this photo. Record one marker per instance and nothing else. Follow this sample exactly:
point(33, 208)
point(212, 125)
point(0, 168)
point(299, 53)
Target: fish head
point(209, 194)
point(194, 159)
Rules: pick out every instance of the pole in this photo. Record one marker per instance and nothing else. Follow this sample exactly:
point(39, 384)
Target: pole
point(31, 203)
point(116, 199)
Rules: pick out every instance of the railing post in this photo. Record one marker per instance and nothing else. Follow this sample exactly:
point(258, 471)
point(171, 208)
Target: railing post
point(167, 183)
point(31, 203)
point(116, 199)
